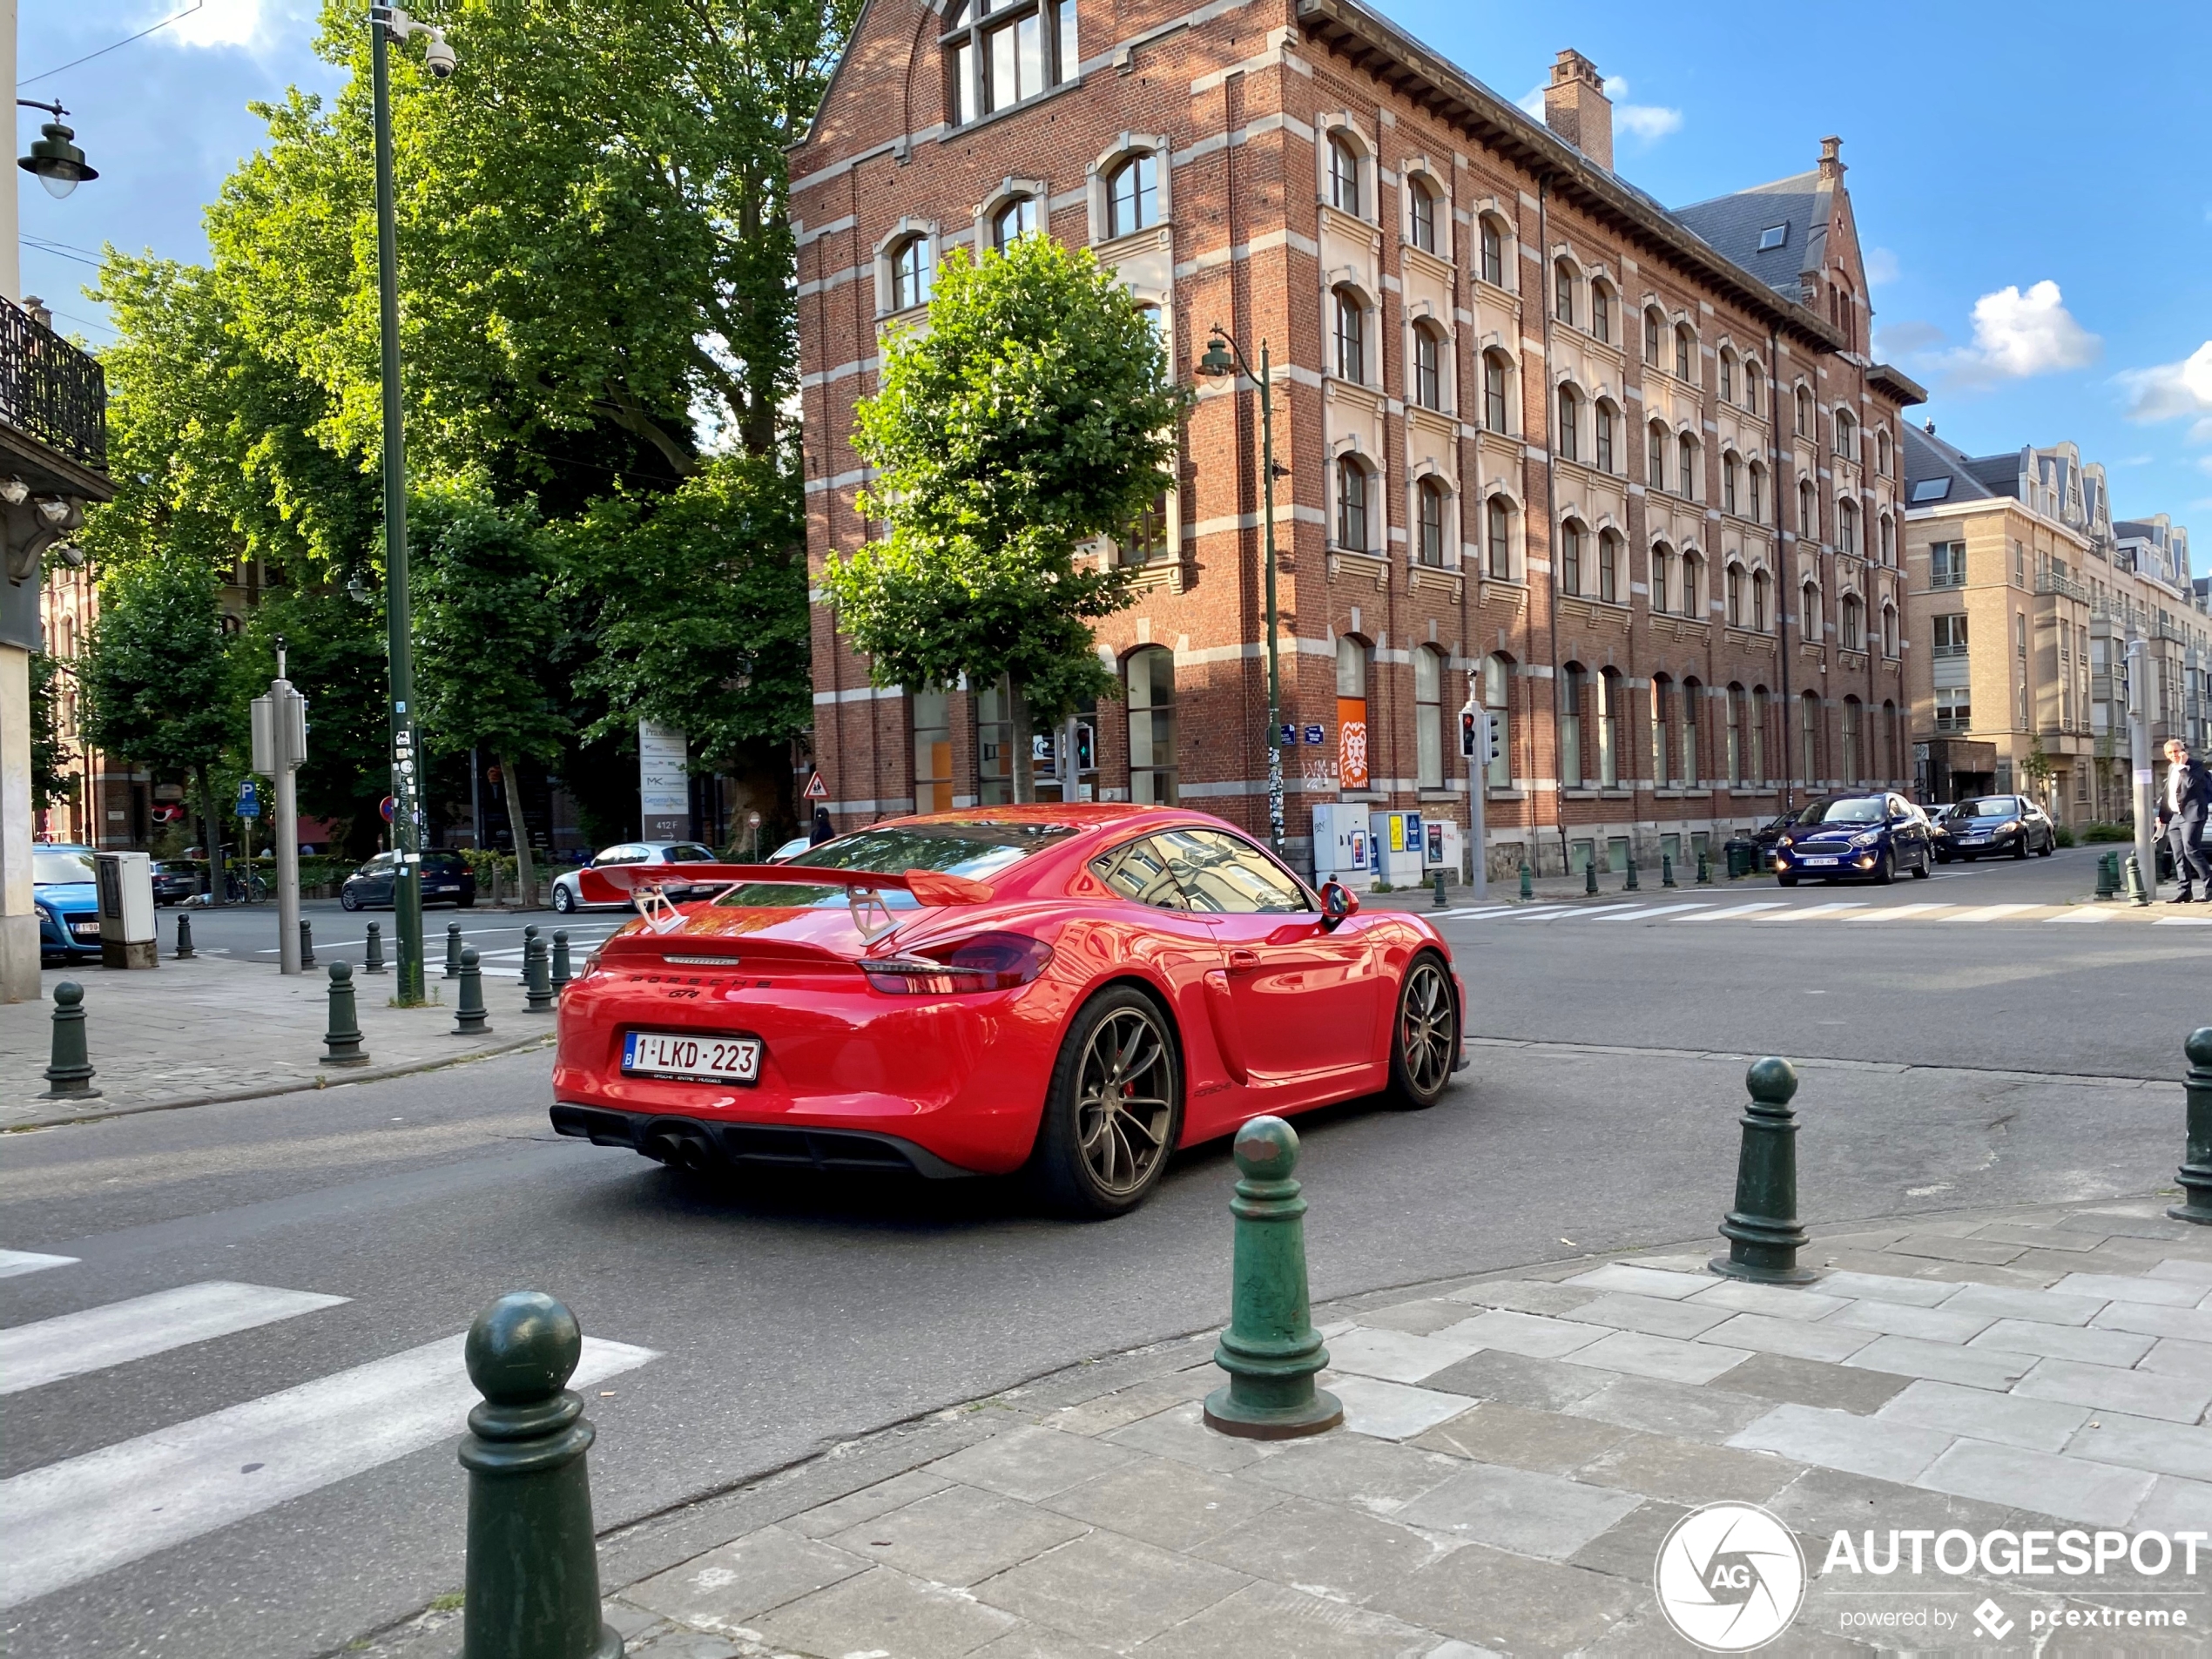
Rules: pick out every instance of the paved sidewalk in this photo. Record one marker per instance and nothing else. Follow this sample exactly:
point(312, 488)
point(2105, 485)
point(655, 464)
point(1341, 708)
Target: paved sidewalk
point(214, 1029)
point(1516, 1447)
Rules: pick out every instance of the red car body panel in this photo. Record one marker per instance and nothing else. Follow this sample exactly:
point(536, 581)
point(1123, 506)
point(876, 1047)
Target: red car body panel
point(1274, 1013)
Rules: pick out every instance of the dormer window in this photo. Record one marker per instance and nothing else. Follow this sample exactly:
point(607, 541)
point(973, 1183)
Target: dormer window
point(1773, 237)
point(998, 56)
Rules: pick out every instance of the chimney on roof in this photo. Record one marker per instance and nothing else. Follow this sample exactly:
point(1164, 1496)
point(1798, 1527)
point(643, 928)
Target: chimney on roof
point(1831, 159)
point(1576, 108)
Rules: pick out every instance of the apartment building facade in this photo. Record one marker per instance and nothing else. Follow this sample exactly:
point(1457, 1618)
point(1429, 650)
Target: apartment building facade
point(2027, 591)
point(1626, 476)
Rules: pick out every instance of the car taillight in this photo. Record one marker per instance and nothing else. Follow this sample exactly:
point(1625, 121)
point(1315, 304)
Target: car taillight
point(987, 962)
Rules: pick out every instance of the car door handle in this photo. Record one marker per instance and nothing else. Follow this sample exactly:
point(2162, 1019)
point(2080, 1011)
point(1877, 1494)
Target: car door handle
point(1244, 961)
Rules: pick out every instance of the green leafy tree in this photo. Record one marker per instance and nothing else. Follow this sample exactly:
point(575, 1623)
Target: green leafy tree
point(487, 629)
point(155, 683)
point(1034, 414)
point(50, 782)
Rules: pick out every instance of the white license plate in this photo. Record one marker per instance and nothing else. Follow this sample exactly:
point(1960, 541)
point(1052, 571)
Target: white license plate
point(1820, 860)
point(85, 929)
point(665, 1054)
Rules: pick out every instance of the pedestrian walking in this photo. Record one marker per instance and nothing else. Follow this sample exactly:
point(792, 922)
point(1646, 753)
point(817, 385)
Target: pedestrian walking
point(2181, 810)
point(823, 829)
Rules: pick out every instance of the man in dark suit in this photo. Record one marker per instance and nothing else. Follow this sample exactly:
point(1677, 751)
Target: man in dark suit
point(2182, 804)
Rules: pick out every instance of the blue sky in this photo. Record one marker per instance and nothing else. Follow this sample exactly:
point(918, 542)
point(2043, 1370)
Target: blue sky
point(2033, 181)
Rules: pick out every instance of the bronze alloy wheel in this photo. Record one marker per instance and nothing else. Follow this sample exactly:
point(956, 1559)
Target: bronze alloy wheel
point(1426, 1040)
point(1124, 1101)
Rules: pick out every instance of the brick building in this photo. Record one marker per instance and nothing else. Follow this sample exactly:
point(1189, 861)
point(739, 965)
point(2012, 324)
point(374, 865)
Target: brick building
point(1627, 475)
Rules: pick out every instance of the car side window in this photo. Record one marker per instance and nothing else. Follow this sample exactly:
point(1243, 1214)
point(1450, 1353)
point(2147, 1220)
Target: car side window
point(1139, 873)
point(688, 852)
point(1226, 875)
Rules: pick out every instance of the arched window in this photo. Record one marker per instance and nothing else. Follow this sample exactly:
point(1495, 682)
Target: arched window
point(1344, 175)
point(1428, 366)
point(1601, 433)
point(998, 55)
point(1728, 375)
point(910, 273)
point(1570, 421)
point(1608, 728)
point(1730, 468)
point(1812, 625)
point(1733, 757)
point(1430, 499)
point(1758, 603)
point(1850, 742)
point(1150, 686)
point(932, 752)
point(1497, 683)
point(1355, 661)
point(1808, 510)
point(1133, 195)
point(1495, 410)
point(1851, 624)
point(1805, 412)
point(1570, 557)
point(1889, 633)
point(1609, 547)
point(1602, 312)
point(1663, 572)
point(1563, 293)
point(1351, 336)
point(1428, 718)
point(1809, 740)
point(1655, 324)
point(1655, 452)
point(1352, 504)
point(1693, 584)
point(1847, 526)
point(1498, 534)
point(1572, 680)
point(1693, 702)
point(1755, 504)
point(1420, 213)
point(1493, 239)
point(1017, 218)
point(1662, 720)
point(1889, 541)
point(1734, 600)
point(1685, 352)
point(1846, 436)
point(1882, 451)
point(1751, 384)
point(1686, 448)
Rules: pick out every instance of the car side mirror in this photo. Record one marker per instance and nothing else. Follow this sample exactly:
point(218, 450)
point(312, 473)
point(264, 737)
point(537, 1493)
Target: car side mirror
point(1337, 901)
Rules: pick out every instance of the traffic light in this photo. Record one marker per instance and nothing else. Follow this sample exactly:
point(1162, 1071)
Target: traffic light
point(1482, 734)
point(1471, 733)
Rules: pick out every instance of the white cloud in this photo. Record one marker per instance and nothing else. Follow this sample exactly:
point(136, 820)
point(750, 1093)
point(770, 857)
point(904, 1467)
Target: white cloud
point(1531, 101)
point(2017, 334)
point(221, 23)
point(1881, 265)
point(1648, 123)
point(2174, 392)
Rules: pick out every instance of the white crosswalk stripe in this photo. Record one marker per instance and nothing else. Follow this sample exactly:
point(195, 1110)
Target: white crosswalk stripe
point(1807, 912)
point(1990, 912)
point(2083, 915)
point(1900, 912)
point(13, 1262)
point(1738, 910)
point(2184, 921)
point(1649, 911)
point(1941, 912)
point(69, 1520)
point(32, 1355)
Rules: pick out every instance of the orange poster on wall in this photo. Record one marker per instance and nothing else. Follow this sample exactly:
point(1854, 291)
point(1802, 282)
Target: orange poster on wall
point(1351, 742)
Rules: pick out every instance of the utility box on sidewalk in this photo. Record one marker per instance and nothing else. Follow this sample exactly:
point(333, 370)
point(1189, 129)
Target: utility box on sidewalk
point(1343, 848)
point(126, 885)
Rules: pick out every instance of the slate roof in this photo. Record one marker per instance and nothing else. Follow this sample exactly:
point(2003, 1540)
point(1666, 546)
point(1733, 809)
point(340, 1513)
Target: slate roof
point(1731, 225)
point(1928, 457)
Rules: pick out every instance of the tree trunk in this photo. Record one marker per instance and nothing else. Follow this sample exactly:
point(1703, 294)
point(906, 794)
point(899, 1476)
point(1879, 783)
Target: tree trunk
point(1024, 770)
point(525, 874)
point(212, 828)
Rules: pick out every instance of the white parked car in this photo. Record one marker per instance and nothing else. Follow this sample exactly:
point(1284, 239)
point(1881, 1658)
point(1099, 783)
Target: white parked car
point(567, 897)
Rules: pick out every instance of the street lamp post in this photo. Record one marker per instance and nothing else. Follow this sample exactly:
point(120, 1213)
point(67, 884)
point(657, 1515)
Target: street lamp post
point(1224, 356)
point(388, 23)
point(55, 160)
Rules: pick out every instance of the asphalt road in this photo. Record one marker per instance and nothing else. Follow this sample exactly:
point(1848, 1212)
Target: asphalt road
point(250, 931)
point(784, 1321)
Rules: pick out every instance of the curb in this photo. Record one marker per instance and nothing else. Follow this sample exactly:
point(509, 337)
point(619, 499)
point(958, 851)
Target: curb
point(322, 1080)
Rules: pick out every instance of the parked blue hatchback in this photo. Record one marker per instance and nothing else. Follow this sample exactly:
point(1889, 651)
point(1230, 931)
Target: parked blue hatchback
point(1867, 837)
point(61, 885)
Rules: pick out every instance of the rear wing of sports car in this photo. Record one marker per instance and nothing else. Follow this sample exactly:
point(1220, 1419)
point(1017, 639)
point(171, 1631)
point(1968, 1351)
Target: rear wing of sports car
point(647, 884)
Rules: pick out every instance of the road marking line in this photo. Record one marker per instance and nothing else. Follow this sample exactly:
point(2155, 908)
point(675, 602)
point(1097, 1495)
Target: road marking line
point(32, 1355)
point(1658, 910)
point(1572, 913)
point(2083, 915)
point(88, 1514)
point(1897, 912)
point(13, 1262)
point(2184, 921)
point(1817, 910)
point(1740, 910)
point(1507, 913)
point(1992, 911)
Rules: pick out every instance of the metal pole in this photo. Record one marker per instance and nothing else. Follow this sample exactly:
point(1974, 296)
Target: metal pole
point(1478, 781)
point(407, 888)
point(2144, 794)
point(1274, 662)
point(285, 824)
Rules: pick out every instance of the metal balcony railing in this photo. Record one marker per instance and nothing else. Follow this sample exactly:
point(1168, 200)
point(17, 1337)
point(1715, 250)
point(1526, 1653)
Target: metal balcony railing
point(2052, 582)
point(51, 391)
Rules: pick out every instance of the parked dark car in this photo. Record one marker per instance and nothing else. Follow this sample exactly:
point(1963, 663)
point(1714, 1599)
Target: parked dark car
point(446, 879)
point(2013, 825)
point(1770, 832)
point(62, 888)
point(1862, 837)
point(179, 880)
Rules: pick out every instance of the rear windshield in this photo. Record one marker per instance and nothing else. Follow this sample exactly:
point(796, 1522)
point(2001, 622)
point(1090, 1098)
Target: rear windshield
point(445, 863)
point(1857, 809)
point(1988, 807)
point(689, 852)
point(56, 869)
point(977, 850)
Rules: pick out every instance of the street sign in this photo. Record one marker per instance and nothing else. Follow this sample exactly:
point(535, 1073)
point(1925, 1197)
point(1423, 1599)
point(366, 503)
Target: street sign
point(388, 806)
point(249, 800)
point(1313, 735)
point(1290, 734)
point(816, 789)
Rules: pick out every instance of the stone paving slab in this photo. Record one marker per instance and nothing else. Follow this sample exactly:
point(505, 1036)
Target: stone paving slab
point(211, 1029)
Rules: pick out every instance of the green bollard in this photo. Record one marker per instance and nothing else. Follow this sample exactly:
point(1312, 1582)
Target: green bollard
point(306, 944)
point(1527, 881)
point(1270, 1349)
point(2135, 893)
point(1763, 1228)
point(1439, 902)
point(561, 974)
point(373, 962)
point(68, 1074)
point(537, 983)
point(1630, 884)
point(453, 950)
point(1704, 871)
point(469, 1019)
point(530, 1589)
point(2195, 1173)
point(1666, 870)
point(185, 952)
point(341, 1044)
point(2107, 875)
point(1589, 876)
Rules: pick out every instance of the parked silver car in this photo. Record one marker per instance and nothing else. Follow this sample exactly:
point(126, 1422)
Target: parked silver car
point(567, 896)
